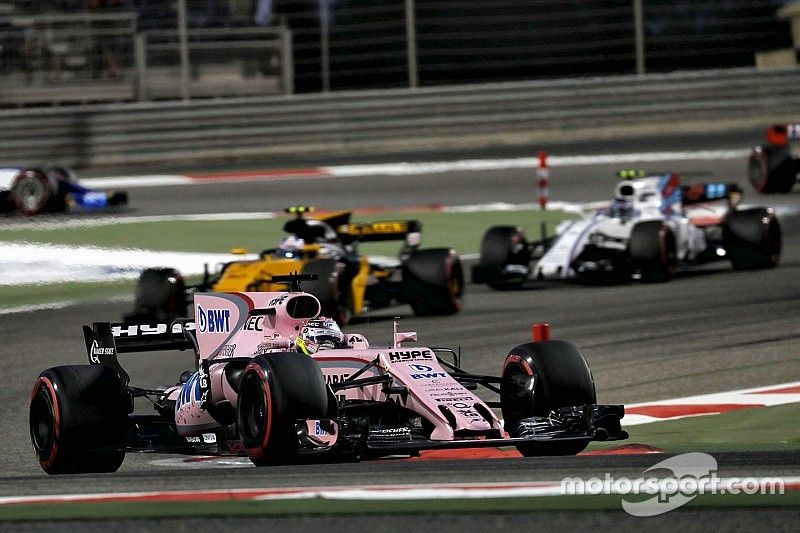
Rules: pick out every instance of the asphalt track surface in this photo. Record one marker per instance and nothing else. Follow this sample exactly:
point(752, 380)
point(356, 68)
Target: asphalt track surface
point(708, 330)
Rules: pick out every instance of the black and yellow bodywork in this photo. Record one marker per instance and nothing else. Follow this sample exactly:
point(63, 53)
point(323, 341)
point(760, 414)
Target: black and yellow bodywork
point(348, 283)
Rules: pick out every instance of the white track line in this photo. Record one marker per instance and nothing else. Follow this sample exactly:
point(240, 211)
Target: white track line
point(711, 404)
point(446, 491)
point(429, 167)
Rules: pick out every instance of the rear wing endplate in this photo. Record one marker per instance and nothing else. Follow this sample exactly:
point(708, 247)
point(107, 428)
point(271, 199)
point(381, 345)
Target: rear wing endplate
point(105, 340)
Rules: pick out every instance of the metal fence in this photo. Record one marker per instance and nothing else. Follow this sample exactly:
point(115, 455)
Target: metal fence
point(95, 57)
point(202, 48)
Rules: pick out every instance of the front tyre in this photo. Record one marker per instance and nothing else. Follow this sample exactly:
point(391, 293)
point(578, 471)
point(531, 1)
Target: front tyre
point(275, 392)
point(78, 419)
point(772, 169)
point(501, 247)
point(433, 282)
point(538, 378)
point(160, 296)
point(653, 251)
point(752, 238)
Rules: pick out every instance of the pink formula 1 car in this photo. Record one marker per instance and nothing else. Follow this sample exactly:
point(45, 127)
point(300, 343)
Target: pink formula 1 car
point(278, 383)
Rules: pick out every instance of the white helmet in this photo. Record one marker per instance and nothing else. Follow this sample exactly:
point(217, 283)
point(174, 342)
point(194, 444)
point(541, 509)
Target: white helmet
point(320, 334)
point(291, 246)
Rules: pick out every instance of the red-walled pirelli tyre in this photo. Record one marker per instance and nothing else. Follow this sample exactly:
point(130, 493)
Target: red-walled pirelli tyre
point(31, 192)
point(772, 169)
point(752, 238)
point(78, 419)
point(160, 296)
point(539, 377)
point(502, 246)
point(433, 282)
point(275, 392)
point(652, 250)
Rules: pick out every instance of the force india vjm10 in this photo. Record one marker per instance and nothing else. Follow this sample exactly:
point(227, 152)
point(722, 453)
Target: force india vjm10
point(33, 191)
point(253, 393)
point(653, 226)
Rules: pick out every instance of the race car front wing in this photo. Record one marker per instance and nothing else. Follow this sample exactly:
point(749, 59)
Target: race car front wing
point(587, 422)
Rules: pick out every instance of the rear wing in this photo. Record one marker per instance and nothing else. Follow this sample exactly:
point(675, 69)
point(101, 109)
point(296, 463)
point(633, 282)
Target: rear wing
point(105, 340)
point(383, 230)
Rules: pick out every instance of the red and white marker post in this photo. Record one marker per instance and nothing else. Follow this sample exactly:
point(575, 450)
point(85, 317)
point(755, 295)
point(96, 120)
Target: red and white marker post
point(543, 179)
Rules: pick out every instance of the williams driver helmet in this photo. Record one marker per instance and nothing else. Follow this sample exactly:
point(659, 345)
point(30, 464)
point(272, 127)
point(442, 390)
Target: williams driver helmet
point(319, 334)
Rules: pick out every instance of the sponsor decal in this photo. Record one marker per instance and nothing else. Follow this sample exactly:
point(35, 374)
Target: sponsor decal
point(227, 350)
point(98, 351)
point(322, 429)
point(429, 375)
point(263, 348)
point(409, 355)
point(278, 301)
point(193, 440)
point(209, 438)
point(213, 320)
point(330, 379)
point(254, 323)
point(403, 433)
point(420, 368)
point(135, 330)
point(203, 385)
point(466, 410)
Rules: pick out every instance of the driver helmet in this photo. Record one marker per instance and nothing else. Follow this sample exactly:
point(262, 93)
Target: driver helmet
point(319, 334)
point(291, 246)
point(622, 204)
point(621, 207)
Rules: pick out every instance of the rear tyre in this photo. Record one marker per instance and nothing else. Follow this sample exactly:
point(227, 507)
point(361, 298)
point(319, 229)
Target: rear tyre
point(31, 192)
point(772, 169)
point(61, 178)
point(327, 289)
point(78, 419)
point(653, 251)
point(752, 238)
point(502, 246)
point(160, 296)
point(538, 378)
point(277, 390)
point(433, 282)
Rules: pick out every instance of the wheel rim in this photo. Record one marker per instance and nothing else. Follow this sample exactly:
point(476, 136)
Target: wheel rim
point(31, 192)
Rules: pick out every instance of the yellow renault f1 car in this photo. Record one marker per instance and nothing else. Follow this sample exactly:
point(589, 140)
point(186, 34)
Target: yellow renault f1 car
point(431, 280)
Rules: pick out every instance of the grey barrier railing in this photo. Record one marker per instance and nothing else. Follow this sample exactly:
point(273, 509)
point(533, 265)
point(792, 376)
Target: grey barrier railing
point(398, 120)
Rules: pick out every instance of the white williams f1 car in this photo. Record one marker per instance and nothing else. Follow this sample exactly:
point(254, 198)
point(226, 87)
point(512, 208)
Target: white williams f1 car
point(653, 226)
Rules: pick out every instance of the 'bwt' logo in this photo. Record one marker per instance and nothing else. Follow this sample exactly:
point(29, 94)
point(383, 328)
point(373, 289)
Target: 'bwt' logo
point(213, 320)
